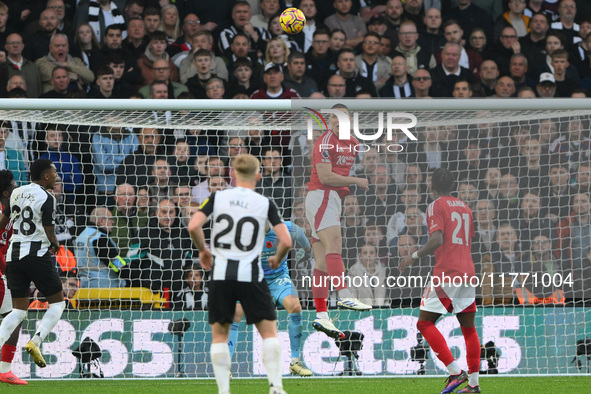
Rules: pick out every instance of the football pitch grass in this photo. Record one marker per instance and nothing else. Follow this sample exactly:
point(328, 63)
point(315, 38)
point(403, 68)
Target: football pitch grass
point(520, 385)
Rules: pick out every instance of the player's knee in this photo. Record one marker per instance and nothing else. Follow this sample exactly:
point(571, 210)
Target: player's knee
point(423, 324)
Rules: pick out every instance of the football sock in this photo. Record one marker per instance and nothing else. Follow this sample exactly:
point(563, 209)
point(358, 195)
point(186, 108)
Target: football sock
point(272, 361)
point(8, 352)
point(220, 358)
point(472, 349)
point(295, 334)
point(320, 290)
point(437, 343)
point(10, 322)
point(473, 380)
point(233, 338)
point(453, 368)
point(50, 319)
point(344, 293)
point(336, 270)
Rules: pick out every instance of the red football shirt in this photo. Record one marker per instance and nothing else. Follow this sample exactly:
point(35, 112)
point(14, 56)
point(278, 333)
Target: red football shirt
point(454, 219)
point(4, 238)
point(340, 154)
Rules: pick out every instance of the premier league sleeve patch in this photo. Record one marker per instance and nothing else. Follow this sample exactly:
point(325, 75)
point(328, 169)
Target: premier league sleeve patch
point(325, 156)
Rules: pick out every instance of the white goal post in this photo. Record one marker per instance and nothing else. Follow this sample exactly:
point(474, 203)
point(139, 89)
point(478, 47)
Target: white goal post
point(523, 165)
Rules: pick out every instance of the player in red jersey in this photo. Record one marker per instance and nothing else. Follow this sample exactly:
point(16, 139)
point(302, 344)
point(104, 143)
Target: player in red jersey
point(332, 161)
point(451, 290)
point(7, 185)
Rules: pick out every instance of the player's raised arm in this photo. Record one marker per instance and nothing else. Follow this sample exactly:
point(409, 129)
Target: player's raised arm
point(330, 178)
point(283, 247)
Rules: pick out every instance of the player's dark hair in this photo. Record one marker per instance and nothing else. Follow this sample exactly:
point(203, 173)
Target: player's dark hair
point(6, 177)
point(443, 181)
point(39, 167)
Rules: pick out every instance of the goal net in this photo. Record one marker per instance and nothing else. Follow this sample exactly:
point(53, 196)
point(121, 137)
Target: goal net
point(136, 175)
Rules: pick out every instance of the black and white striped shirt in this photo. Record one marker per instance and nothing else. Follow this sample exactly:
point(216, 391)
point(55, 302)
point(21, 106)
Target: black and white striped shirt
point(228, 34)
point(239, 216)
point(31, 208)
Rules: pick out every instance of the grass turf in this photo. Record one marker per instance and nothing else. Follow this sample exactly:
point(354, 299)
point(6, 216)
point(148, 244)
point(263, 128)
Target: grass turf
point(521, 385)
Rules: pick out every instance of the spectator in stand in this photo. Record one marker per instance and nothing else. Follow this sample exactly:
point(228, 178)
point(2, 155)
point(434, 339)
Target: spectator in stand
point(16, 82)
point(240, 48)
point(546, 88)
point(462, 89)
point(59, 83)
point(486, 229)
point(547, 133)
point(564, 85)
point(566, 23)
point(526, 92)
point(100, 264)
point(431, 38)
point(518, 71)
point(203, 39)
point(88, 43)
point(136, 41)
point(469, 58)
point(161, 73)
point(277, 52)
point(11, 158)
point(37, 45)
point(336, 87)
point(478, 42)
point(573, 145)
point(489, 75)
point(505, 88)
point(533, 45)
point(244, 79)
point(128, 220)
point(393, 17)
point(156, 50)
point(506, 46)
point(505, 258)
point(532, 170)
point(421, 82)
point(374, 235)
point(414, 225)
point(70, 286)
point(416, 56)
point(214, 89)
point(489, 189)
point(559, 193)
point(273, 78)
point(152, 19)
point(180, 162)
point(370, 64)
point(241, 16)
point(114, 45)
point(380, 201)
point(170, 22)
point(470, 17)
point(554, 41)
point(160, 186)
point(181, 198)
point(449, 71)
point(317, 58)
point(133, 10)
point(101, 14)
point(268, 9)
point(67, 165)
point(399, 84)
point(353, 228)
point(79, 76)
point(165, 251)
point(110, 146)
point(508, 198)
point(515, 18)
point(410, 295)
point(275, 182)
point(104, 84)
point(192, 296)
point(22, 66)
point(136, 165)
point(583, 178)
point(69, 217)
point(530, 222)
point(353, 79)
point(368, 265)
point(121, 88)
point(468, 192)
point(310, 11)
point(215, 167)
point(353, 25)
point(296, 77)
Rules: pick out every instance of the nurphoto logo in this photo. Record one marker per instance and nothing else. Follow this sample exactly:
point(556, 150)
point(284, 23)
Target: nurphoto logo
point(394, 121)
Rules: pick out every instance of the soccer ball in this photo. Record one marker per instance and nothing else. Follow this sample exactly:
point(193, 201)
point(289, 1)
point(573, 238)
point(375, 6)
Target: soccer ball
point(292, 20)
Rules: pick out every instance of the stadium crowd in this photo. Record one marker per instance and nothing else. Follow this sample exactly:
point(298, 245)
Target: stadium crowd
point(528, 183)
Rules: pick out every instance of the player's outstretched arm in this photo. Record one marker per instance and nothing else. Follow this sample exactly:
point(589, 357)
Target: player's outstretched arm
point(283, 247)
point(330, 178)
point(435, 241)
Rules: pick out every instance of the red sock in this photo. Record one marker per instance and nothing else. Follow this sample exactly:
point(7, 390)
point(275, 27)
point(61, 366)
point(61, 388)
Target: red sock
point(472, 348)
point(335, 267)
point(8, 352)
point(436, 341)
point(320, 290)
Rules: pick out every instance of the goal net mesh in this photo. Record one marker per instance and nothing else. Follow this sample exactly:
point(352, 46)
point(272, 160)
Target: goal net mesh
point(526, 174)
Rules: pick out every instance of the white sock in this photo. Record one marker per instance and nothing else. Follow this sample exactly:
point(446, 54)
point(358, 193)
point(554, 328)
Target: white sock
point(322, 315)
point(50, 319)
point(272, 361)
point(294, 360)
point(9, 323)
point(220, 358)
point(4, 367)
point(344, 293)
point(473, 379)
point(454, 368)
